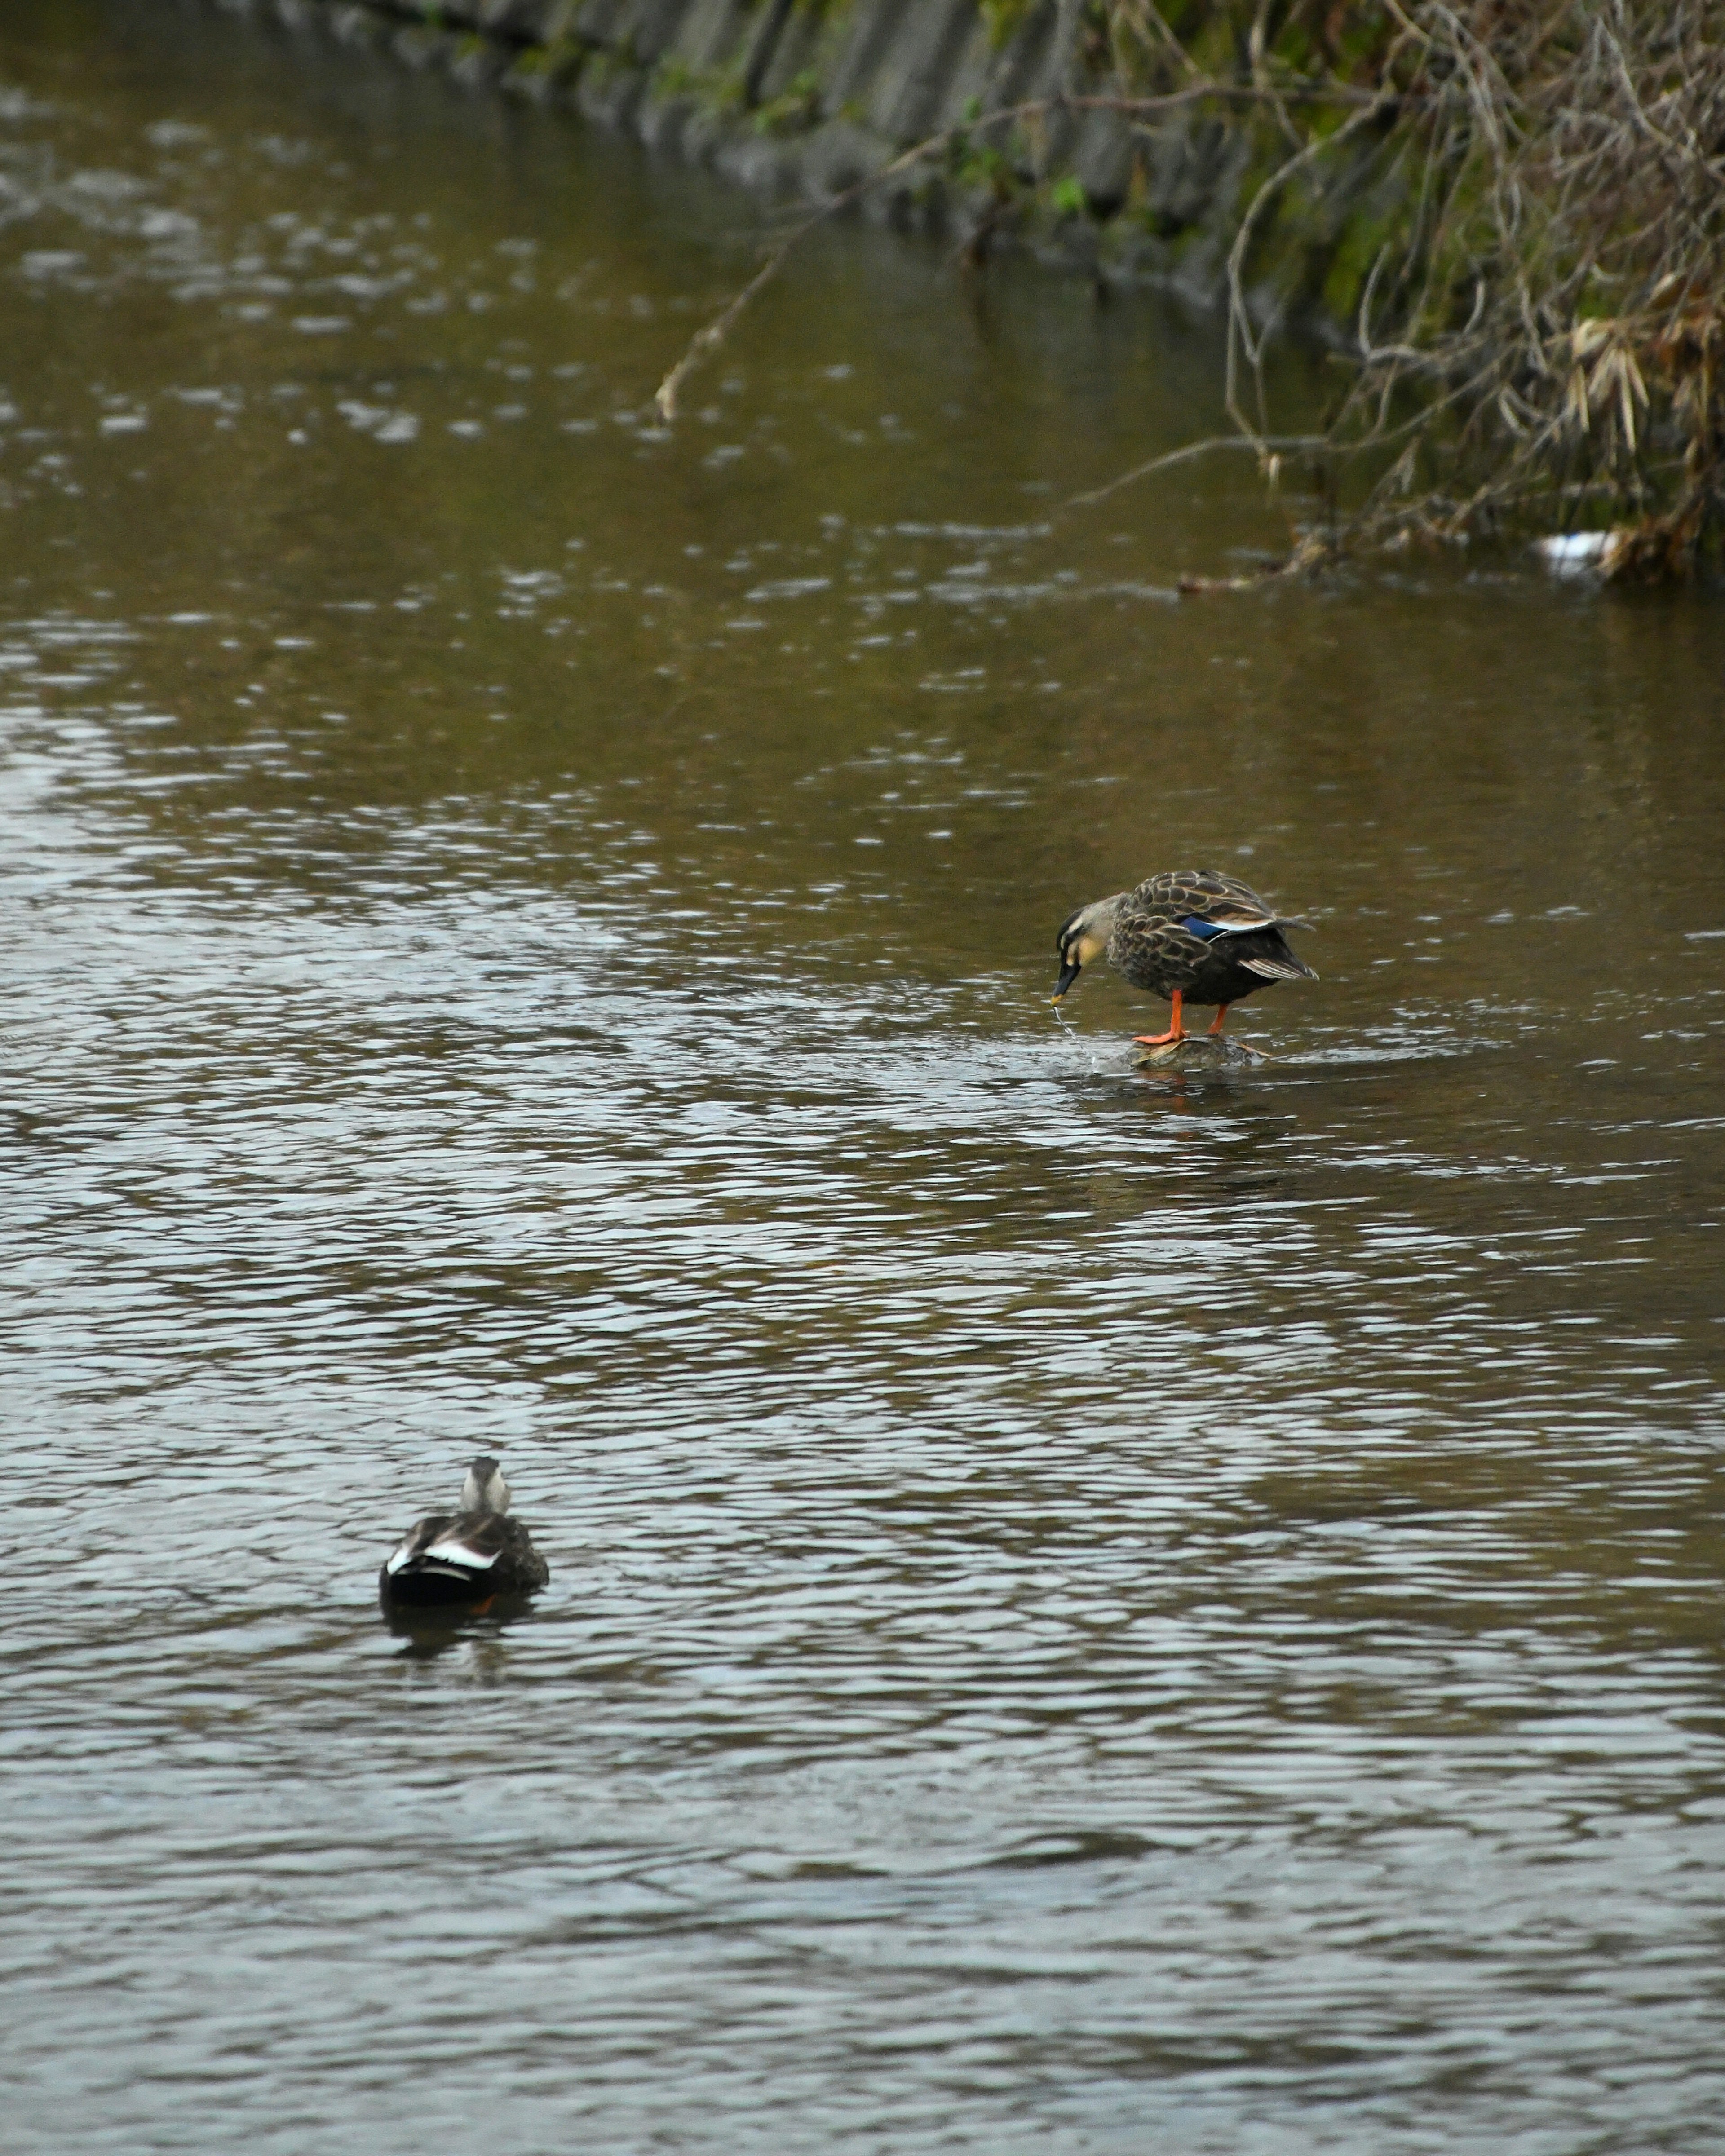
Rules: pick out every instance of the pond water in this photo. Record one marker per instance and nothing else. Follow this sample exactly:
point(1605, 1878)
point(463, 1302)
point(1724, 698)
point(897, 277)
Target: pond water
point(1090, 1610)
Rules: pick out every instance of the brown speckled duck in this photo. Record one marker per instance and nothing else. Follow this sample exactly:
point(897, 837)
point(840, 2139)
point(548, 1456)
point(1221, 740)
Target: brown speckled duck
point(467, 1557)
point(1194, 937)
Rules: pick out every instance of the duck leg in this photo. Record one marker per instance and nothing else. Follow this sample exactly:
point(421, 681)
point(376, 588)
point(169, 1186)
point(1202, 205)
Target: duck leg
point(1216, 1021)
point(1176, 1031)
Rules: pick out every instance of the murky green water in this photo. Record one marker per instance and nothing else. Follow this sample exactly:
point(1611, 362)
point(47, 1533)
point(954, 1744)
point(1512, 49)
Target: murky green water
point(1088, 1612)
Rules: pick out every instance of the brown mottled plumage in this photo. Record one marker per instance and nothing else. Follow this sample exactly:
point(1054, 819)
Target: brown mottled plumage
point(1194, 936)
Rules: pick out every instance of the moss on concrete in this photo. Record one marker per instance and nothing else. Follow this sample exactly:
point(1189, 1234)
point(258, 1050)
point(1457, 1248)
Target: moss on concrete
point(840, 87)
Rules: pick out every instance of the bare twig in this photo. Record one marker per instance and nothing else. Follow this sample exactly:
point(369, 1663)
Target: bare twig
point(1241, 339)
point(1279, 445)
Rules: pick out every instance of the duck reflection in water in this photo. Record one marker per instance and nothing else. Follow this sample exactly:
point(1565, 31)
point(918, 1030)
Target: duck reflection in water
point(426, 1633)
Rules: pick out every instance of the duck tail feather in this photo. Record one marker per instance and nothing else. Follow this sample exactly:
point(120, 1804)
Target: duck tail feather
point(1279, 968)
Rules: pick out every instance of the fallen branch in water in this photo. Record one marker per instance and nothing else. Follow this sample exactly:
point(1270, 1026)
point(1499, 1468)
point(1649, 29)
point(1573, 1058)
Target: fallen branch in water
point(1312, 552)
point(1268, 449)
point(707, 341)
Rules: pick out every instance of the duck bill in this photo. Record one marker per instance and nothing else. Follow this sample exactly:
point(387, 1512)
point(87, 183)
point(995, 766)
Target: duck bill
point(1069, 973)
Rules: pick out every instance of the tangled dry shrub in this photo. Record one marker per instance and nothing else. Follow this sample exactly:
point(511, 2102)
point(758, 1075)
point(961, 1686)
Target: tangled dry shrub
point(1541, 335)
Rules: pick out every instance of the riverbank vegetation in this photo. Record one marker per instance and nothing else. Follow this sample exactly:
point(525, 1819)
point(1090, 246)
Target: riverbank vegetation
point(1509, 214)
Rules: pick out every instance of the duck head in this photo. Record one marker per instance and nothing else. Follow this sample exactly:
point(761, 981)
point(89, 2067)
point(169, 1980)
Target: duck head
point(485, 1490)
point(1084, 935)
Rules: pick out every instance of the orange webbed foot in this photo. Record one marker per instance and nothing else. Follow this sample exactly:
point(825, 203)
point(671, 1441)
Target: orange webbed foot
point(1175, 1032)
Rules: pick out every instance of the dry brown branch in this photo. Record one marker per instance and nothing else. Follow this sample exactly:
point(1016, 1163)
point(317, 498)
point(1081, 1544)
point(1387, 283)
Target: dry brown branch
point(1241, 341)
point(1188, 453)
point(1141, 22)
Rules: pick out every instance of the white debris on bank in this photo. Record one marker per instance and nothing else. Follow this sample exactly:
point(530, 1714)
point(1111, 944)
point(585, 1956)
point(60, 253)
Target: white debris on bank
point(1583, 553)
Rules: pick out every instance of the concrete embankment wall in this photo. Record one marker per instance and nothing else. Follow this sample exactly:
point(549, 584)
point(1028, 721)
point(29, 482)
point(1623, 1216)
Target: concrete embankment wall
point(802, 99)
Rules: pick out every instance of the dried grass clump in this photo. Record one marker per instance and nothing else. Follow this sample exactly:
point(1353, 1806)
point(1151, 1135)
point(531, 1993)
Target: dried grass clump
point(1542, 334)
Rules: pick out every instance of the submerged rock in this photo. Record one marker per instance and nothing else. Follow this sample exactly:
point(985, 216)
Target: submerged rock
point(1201, 1051)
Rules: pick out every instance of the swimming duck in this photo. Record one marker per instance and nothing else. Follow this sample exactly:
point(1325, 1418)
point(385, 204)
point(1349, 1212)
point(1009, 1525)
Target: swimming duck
point(1194, 937)
point(466, 1557)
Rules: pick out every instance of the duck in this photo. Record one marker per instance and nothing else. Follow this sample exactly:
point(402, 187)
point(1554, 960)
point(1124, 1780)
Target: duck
point(1194, 936)
point(468, 1557)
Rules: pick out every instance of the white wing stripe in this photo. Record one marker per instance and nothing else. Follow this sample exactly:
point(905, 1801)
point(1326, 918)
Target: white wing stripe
point(459, 1554)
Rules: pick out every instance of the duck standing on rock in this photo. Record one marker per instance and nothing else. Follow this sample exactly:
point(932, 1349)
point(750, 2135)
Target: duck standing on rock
point(467, 1558)
point(1194, 937)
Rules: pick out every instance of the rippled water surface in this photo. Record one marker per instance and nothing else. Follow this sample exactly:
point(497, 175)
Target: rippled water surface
point(1089, 1610)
